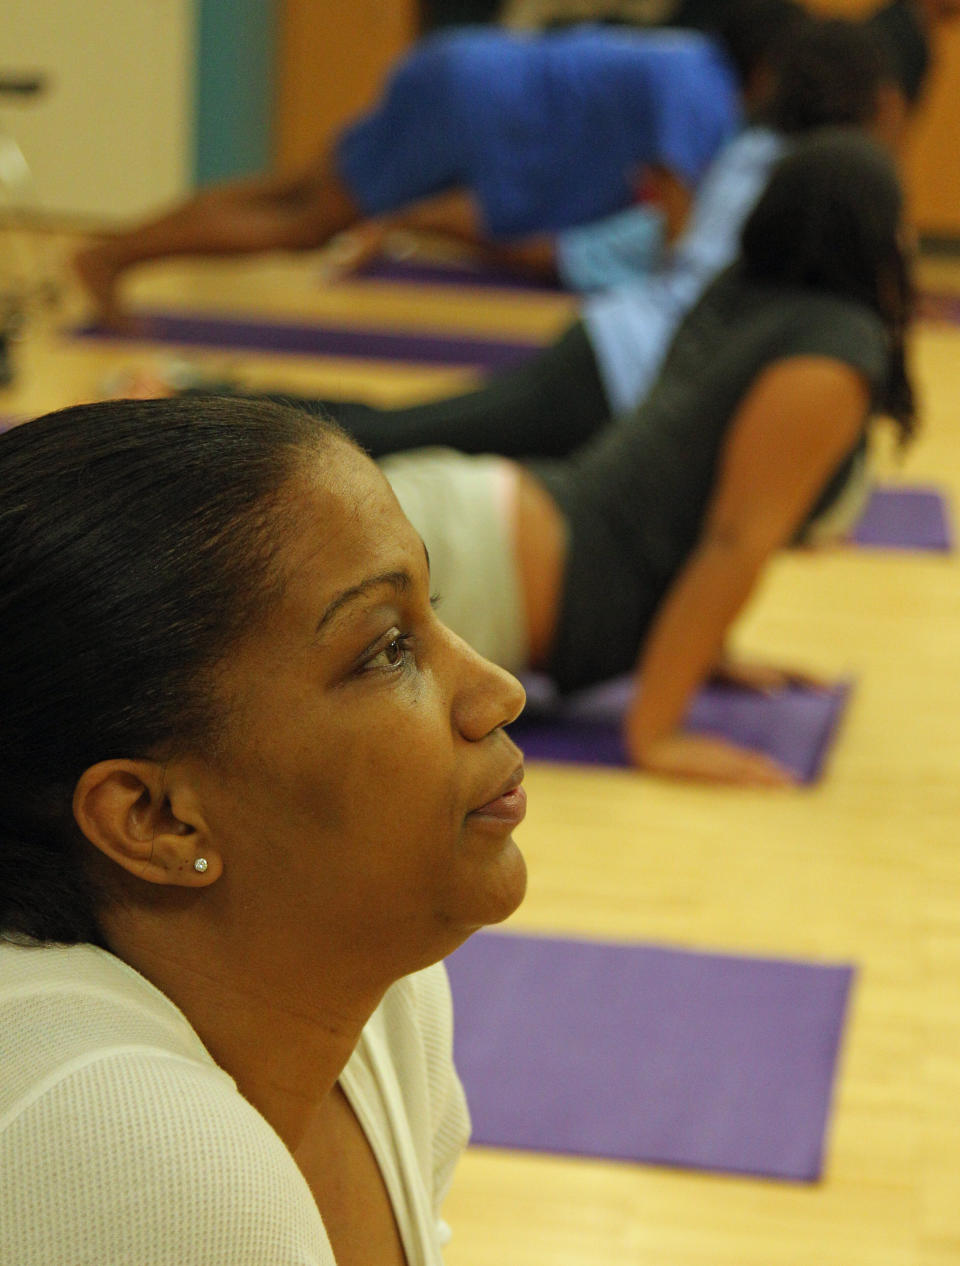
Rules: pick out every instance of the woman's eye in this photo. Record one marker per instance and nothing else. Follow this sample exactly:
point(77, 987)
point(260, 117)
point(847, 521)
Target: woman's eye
point(394, 655)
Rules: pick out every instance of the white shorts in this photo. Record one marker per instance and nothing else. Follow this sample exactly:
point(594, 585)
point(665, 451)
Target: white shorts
point(464, 508)
point(841, 516)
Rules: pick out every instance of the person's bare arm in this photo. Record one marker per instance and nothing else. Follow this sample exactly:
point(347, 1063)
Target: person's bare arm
point(674, 198)
point(792, 429)
point(453, 215)
point(534, 256)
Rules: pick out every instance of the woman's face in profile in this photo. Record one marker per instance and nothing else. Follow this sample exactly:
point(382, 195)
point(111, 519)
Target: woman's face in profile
point(363, 741)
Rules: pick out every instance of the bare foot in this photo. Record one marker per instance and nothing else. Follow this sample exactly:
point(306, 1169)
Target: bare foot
point(99, 276)
point(163, 378)
point(142, 383)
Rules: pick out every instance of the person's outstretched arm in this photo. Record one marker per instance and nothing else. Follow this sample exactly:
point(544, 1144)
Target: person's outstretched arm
point(792, 429)
point(456, 215)
point(639, 230)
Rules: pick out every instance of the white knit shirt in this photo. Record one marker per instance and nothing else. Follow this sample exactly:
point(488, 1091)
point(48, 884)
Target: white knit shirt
point(123, 1144)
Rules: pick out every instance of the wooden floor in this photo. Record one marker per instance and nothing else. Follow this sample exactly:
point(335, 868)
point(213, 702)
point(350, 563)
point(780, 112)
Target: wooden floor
point(864, 868)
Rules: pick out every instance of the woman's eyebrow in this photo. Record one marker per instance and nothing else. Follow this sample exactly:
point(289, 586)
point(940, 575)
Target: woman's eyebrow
point(399, 581)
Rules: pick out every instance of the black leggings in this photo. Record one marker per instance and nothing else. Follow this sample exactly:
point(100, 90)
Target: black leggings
point(545, 407)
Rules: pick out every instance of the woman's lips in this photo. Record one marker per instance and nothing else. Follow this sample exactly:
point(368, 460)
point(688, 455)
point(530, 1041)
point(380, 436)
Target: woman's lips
point(511, 807)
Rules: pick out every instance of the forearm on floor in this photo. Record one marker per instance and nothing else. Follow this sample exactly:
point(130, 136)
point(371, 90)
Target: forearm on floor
point(529, 257)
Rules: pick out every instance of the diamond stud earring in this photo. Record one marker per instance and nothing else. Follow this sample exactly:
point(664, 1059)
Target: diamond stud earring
point(200, 865)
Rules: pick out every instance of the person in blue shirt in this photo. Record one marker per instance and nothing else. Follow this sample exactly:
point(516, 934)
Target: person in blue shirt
point(605, 362)
point(520, 134)
point(613, 251)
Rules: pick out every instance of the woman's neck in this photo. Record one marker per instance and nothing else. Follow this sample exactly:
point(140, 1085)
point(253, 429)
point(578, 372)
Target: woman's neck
point(283, 1032)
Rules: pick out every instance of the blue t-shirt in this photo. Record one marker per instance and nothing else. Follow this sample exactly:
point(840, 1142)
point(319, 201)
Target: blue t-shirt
point(547, 130)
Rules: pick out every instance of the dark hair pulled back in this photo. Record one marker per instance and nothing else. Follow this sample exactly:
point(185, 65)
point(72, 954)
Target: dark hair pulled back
point(831, 219)
point(755, 33)
point(829, 74)
point(136, 543)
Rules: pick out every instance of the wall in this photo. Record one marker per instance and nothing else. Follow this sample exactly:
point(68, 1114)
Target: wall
point(332, 58)
point(112, 135)
point(236, 59)
point(933, 166)
point(145, 99)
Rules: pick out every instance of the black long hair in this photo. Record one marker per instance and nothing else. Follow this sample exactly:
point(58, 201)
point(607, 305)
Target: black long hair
point(831, 219)
point(136, 543)
point(830, 74)
point(756, 33)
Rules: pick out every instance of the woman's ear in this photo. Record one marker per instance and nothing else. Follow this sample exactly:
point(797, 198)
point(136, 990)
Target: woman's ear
point(124, 810)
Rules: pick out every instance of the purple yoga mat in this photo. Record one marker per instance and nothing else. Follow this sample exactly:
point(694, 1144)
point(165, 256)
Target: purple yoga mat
point(639, 1053)
point(795, 726)
point(204, 330)
point(905, 518)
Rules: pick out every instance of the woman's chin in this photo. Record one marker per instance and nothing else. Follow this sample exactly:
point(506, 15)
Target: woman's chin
point(510, 886)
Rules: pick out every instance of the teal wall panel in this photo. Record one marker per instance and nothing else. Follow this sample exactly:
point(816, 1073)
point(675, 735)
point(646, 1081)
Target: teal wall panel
point(236, 46)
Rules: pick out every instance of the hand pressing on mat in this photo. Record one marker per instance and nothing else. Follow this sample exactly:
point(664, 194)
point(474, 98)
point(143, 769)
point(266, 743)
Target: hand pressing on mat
point(766, 679)
point(708, 759)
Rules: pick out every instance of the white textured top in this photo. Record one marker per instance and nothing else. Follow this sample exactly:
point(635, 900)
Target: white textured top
point(122, 1143)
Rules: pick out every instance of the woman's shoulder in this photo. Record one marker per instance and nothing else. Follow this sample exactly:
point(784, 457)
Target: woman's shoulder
point(798, 320)
point(735, 286)
point(134, 1146)
point(75, 1016)
point(844, 329)
point(62, 1003)
point(834, 308)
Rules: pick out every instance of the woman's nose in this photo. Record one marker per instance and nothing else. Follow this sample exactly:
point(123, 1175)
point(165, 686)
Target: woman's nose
point(487, 696)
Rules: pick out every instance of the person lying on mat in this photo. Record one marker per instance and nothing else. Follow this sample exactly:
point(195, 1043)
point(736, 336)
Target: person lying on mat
point(252, 791)
point(626, 246)
point(652, 535)
point(616, 250)
point(518, 133)
point(606, 361)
